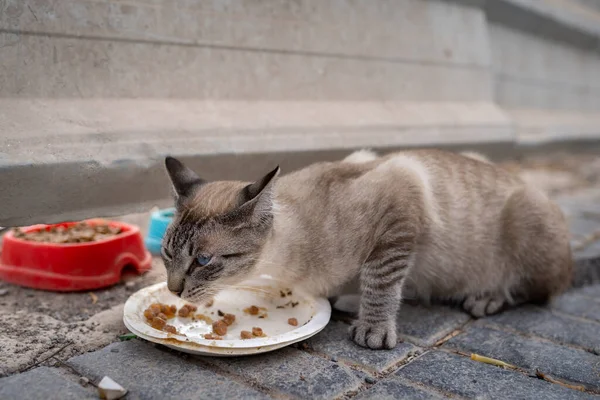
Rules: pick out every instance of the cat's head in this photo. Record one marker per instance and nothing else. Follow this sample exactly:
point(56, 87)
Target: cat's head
point(218, 231)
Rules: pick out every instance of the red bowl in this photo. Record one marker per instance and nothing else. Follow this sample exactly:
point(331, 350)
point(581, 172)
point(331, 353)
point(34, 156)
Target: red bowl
point(73, 266)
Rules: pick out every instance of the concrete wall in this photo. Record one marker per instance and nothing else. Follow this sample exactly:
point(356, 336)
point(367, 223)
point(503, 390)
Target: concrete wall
point(94, 94)
point(551, 90)
point(547, 71)
point(246, 50)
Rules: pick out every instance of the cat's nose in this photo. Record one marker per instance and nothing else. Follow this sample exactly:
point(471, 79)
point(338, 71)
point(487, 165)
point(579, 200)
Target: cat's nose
point(175, 286)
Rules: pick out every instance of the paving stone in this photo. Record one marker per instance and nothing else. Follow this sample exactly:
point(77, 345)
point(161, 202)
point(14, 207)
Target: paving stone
point(579, 305)
point(591, 251)
point(584, 205)
point(592, 290)
point(395, 388)
point(576, 243)
point(569, 210)
point(458, 375)
point(591, 211)
point(333, 341)
point(426, 325)
point(583, 226)
point(150, 373)
point(574, 365)
point(284, 369)
point(541, 322)
point(586, 210)
point(42, 383)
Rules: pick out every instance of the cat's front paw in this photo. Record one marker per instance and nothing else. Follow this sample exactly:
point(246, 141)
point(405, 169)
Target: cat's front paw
point(374, 336)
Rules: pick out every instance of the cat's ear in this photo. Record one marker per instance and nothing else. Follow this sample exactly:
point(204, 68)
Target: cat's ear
point(257, 198)
point(185, 181)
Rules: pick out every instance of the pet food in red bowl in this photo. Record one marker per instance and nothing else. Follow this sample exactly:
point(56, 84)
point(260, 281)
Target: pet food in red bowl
point(72, 256)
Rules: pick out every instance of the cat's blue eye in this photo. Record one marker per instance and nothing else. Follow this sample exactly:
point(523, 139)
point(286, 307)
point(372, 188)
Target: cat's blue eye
point(203, 260)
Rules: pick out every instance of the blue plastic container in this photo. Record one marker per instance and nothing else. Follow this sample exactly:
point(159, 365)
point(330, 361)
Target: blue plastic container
point(159, 221)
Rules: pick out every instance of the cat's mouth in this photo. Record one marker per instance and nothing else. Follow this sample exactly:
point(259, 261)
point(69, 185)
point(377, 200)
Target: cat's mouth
point(198, 297)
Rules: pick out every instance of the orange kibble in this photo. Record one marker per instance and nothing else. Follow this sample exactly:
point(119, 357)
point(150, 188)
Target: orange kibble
point(252, 310)
point(293, 321)
point(212, 336)
point(158, 323)
point(149, 314)
point(256, 331)
point(246, 335)
point(155, 307)
point(170, 329)
point(162, 316)
point(169, 311)
point(192, 307)
point(220, 328)
point(229, 319)
point(184, 312)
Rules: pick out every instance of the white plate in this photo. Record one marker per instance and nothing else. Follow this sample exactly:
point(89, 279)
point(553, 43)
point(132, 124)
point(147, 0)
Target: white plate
point(312, 315)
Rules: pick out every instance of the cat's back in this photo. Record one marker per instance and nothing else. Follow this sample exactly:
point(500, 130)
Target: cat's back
point(468, 192)
point(319, 182)
point(459, 199)
point(466, 171)
point(444, 176)
point(465, 194)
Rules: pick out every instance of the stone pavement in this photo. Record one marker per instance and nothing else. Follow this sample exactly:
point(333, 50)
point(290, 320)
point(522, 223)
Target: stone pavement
point(555, 349)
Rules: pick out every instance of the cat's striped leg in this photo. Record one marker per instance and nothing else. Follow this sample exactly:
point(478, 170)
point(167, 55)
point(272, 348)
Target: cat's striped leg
point(381, 282)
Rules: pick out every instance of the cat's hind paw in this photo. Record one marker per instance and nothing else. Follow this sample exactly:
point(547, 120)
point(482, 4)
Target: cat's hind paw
point(481, 306)
point(374, 336)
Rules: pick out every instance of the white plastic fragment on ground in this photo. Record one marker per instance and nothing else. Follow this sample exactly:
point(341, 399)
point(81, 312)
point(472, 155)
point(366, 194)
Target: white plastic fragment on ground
point(110, 390)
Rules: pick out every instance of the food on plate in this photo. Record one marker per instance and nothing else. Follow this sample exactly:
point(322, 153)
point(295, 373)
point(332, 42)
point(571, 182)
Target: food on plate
point(168, 311)
point(219, 327)
point(202, 317)
point(252, 310)
point(162, 316)
point(258, 332)
point(293, 321)
point(187, 310)
point(246, 335)
point(158, 323)
point(212, 336)
point(155, 308)
point(149, 314)
point(289, 304)
point(184, 312)
point(229, 319)
point(170, 329)
point(157, 315)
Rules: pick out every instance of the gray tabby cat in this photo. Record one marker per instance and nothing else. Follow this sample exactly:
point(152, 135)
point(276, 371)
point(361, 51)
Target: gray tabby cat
point(423, 224)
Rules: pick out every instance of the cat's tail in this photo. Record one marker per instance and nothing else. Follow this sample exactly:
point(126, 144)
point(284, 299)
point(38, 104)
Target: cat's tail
point(587, 272)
